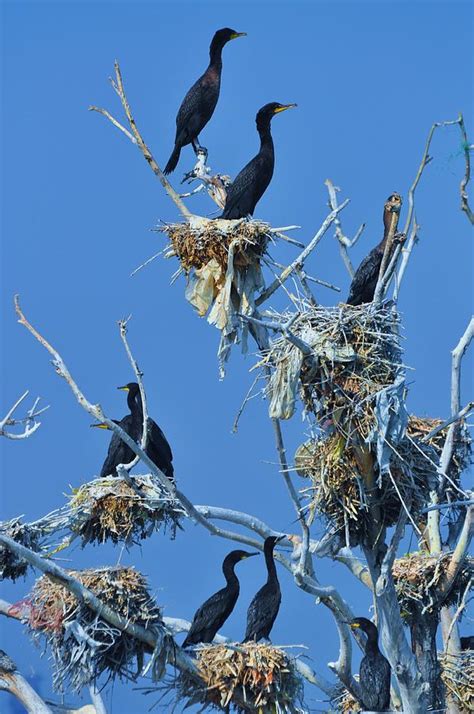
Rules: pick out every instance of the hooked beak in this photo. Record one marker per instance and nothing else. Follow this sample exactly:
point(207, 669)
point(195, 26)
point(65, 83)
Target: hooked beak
point(238, 34)
point(353, 625)
point(284, 107)
point(250, 555)
point(282, 537)
point(100, 425)
point(124, 389)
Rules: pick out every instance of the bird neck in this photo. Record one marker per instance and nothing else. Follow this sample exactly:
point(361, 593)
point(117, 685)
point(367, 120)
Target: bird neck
point(229, 574)
point(270, 563)
point(387, 222)
point(372, 645)
point(266, 140)
point(134, 401)
point(215, 56)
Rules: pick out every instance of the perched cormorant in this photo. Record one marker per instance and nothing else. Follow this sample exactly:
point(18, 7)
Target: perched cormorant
point(264, 607)
point(199, 103)
point(251, 183)
point(212, 614)
point(365, 279)
point(157, 447)
point(374, 672)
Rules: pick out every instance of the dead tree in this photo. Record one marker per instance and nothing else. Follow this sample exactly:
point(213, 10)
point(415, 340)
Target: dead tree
point(370, 472)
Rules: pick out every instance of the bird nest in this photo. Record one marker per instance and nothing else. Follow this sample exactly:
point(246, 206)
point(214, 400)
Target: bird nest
point(111, 509)
point(198, 243)
point(354, 353)
point(418, 578)
point(248, 677)
point(419, 428)
point(345, 703)
point(82, 643)
point(11, 565)
point(347, 489)
point(457, 673)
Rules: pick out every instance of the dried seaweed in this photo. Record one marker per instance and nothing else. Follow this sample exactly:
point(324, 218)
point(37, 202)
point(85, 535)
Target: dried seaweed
point(417, 579)
point(12, 566)
point(83, 645)
point(110, 509)
point(244, 678)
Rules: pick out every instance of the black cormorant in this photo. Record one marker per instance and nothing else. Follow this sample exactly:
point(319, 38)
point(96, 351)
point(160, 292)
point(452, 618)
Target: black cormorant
point(212, 614)
point(199, 103)
point(251, 183)
point(365, 279)
point(264, 607)
point(157, 447)
point(374, 672)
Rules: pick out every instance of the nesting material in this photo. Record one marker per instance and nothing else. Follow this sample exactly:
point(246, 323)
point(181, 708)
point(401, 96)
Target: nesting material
point(221, 260)
point(417, 580)
point(420, 427)
point(346, 704)
point(11, 566)
point(355, 353)
point(83, 645)
point(457, 673)
point(110, 509)
point(245, 678)
point(346, 487)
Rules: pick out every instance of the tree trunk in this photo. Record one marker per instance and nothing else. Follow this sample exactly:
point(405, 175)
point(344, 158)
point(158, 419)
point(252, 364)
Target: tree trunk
point(423, 637)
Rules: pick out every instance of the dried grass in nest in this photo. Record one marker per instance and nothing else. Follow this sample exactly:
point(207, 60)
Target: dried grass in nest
point(420, 427)
point(343, 484)
point(244, 678)
point(110, 509)
point(197, 244)
point(346, 704)
point(457, 673)
point(11, 566)
point(417, 579)
point(83, 645)
point(356, 353)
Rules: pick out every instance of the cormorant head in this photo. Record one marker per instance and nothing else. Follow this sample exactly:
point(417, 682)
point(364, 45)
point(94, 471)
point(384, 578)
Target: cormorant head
point(266, 113)
point(235, 556)
point(226, 34)
point(364, 624)
point(131, 387)
point(392, 205)
point(271, 542)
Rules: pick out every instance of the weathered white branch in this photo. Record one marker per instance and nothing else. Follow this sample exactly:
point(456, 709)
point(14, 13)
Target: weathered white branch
point(12, 681)
point(299, 261)
point(30, 424)
point(343, 240)
point(137, 139)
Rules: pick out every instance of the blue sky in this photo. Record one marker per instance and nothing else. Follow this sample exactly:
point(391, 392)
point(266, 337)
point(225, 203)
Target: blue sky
point(78, 205)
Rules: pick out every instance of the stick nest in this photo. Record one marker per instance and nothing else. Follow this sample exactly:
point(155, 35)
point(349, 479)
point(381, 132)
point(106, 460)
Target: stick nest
point(11, 566)
point(345, 703)
point(244, 678)
point(197, 244)
point(346, 487)
point(418, 578)
point(84, 645)
point(457, 673)
point(110, 509)
point(355, 354)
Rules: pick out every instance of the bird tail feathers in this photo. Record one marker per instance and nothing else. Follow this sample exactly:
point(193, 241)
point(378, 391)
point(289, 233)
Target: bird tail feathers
point(173, 160)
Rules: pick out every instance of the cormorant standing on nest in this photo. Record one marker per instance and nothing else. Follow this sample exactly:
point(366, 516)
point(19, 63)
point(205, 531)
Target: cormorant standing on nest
point(199, 103)
point(251, 183)
point(365, 279)
point(264, 607)
point(212, 614)
point(157, 447)
point(374, 673)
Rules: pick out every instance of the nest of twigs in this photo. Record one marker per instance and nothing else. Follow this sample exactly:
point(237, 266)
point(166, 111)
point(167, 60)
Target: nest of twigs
point(346, 704)
point(347, 489)
point(196, 244)
point(83, 644)
point(419, 428)
point(244, 678)
point(12, 566)
point(457, 673)
point(418, 578)
point(111, 509)
point(355, 353)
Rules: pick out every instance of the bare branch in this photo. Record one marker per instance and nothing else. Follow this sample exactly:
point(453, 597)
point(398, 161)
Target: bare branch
point(467, 175)
point(30, 424)
point(459, 555)
point(343, 240)
point(12, 681)
point(299, 261)
point(137, 139)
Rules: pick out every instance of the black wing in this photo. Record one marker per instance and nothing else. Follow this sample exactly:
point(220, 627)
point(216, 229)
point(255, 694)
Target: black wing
point(248, 188)
point(365, 279)
point(159, 450)
point(210, 617)
point(262, 612)
point(374, 677)
point(119, 452)
point(196, 109)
